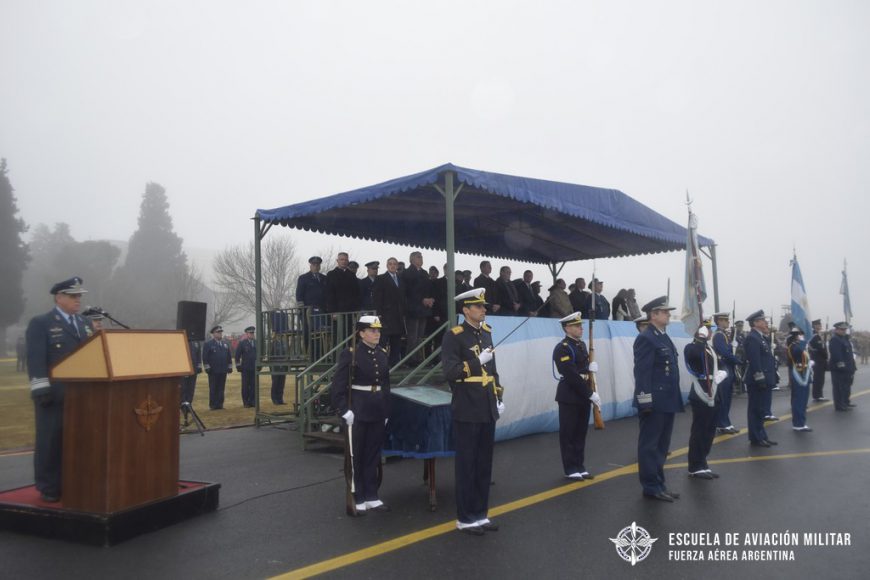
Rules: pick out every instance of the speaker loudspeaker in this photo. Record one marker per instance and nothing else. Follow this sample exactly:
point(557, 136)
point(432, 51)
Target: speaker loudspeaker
point(191, 319)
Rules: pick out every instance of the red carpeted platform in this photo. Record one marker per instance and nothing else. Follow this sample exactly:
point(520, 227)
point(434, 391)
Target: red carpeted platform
point(22, 510)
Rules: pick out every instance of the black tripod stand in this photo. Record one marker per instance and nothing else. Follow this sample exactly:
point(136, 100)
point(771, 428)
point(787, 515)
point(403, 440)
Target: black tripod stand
point(187, 411)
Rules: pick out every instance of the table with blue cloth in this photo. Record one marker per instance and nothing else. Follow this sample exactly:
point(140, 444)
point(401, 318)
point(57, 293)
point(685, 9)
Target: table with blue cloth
point(420, 428)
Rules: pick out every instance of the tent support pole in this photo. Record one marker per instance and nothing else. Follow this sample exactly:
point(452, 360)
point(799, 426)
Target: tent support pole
point(258, 304)
point(449, 198)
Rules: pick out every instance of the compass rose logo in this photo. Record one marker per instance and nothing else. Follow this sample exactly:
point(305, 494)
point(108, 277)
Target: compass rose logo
point(633, 543)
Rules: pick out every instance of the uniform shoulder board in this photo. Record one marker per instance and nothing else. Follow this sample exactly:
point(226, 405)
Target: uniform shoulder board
point(383, 350)
point(350, 348)
point(564, 343)
point(485, 326)
point(457, 330)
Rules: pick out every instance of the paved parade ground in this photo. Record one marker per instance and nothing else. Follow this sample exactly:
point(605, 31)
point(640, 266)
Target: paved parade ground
point(797, 510)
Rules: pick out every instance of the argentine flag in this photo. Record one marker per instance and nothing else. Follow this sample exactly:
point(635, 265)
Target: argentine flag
point(800, 308)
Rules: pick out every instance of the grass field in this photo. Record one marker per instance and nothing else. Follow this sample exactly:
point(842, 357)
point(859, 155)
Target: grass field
point(16, 408)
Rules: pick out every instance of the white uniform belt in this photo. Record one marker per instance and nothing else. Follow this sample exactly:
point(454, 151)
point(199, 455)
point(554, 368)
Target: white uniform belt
point(369, 388)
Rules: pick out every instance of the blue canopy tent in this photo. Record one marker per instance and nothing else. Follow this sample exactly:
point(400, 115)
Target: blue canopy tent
point(456, 209)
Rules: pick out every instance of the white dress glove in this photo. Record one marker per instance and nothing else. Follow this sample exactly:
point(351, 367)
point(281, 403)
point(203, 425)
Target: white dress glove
point(593, 367)
point(485, 356)
point(500, 408)
point(720, 376)
point(812, 363)
point(348, 417)
point(595, 398)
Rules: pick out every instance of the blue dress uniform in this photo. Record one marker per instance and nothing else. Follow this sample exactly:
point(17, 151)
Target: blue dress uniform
point(311, 288)
point(246, 364)
point(188, 383)
point(217, 361)
point(657, 398)
point(841, 363)
point(761, 377)
point(799, 379)
point(363, 378)
point(818, 352)
point(572, 394)
point(279, 376)
point(50, 337)
point(728, 363)
point(475, 410)
point(701, 364)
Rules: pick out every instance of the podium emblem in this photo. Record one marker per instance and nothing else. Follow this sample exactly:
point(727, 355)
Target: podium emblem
point(148, 412)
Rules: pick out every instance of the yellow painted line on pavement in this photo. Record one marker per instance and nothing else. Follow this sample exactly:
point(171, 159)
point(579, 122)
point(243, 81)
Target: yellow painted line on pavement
point(441, 529)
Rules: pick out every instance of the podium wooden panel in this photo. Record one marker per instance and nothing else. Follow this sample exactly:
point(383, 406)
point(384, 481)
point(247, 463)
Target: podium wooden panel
point(120, 435)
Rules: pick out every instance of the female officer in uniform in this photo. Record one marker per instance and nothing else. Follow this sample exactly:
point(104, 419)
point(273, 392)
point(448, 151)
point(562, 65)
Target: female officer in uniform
point(362, 378)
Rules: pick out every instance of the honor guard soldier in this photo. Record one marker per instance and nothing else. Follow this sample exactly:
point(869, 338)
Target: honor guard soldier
point(728, 362)
point(841, 363)
point(574, 395)
point(800, 375)
point(761, 377)
point(361, 394)
point(704, 396)
point(469, 366)
point(657, 398)
point(217, 360)
point(50, 337)
point(818, 351)
point(246, 364)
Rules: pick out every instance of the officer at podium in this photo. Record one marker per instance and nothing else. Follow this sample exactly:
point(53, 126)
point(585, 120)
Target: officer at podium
point(50, 337)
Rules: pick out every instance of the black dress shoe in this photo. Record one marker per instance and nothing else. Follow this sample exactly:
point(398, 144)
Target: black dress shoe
point(701, 475)
point(713, 473)
point(472, 531)
point(381, 508)
point(587, 475)
point(673, 494)
point(661, 496)
point(49, 498)
point(851, 405)
point(489, 527)
point(769, 442)
point(759, 443)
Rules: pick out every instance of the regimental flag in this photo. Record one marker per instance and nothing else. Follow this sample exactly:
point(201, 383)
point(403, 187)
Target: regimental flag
point(696, 291)
point(844, 290)
point(800, 308)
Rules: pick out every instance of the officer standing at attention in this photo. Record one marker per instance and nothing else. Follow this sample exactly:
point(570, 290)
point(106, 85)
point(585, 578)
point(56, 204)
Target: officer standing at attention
point(728, 363)
point(657, 398)
point(364, 370)
point(50, 337)
point(761, 377)
point(469, 366)
point(841, 364)
point(246, 364)
point(800, 375)
point(311, 286)
point(217, 360)
point(819, 355)
point(574, 395)
point(366, 285)
point(704, 396)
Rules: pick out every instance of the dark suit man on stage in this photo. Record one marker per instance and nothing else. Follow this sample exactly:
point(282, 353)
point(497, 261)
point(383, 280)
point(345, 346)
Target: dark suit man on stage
point(469, 366)
point(657, 398)
point(50, 337)
point(388, 296)
point(574, 396)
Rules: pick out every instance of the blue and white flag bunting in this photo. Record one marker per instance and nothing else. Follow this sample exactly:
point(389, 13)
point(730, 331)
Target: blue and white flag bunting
point(800, 308)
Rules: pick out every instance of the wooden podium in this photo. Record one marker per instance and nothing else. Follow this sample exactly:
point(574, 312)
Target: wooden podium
point(121, 409)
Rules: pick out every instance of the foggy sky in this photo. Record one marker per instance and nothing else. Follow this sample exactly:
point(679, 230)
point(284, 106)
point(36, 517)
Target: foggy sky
point(758, 109)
